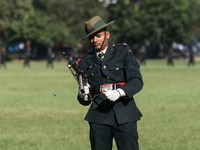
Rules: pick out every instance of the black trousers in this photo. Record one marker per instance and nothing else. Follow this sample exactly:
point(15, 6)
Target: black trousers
point(125, 135)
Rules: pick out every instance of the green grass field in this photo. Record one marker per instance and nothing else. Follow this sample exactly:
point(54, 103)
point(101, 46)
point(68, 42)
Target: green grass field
point(31, 118)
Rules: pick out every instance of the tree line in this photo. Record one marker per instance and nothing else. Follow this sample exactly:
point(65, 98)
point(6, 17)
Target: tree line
point(136, 21)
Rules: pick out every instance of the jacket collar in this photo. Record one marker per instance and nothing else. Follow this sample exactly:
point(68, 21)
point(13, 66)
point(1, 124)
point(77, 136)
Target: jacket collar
point(109, 53)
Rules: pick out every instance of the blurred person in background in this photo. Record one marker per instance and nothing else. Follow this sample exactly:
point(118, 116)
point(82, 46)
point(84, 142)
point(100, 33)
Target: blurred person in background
point(191, 56)
point(27, 54)
point(27, 58)
point(21, 49)
point(50, 58)
point(142, 55)
point(3, 57)
point(114, 75)
point(170, 61)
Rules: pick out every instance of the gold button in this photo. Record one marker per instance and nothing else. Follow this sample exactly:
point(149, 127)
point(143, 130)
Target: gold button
point(108, 77)
point(92, 74)
point(117, 68)
point(104, 67)
point(113, 45)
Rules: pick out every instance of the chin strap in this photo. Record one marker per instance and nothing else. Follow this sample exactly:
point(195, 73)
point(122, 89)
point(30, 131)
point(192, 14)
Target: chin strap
point(103, 40)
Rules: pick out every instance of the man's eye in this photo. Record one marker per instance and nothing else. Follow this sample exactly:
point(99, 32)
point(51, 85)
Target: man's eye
point(90, 37)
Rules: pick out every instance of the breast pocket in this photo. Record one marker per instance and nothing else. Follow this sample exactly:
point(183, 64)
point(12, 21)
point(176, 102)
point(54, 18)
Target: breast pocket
point(92, 73)
point(116, 71)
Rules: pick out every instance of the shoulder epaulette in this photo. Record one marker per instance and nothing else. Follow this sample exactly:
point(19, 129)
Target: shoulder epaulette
point(120, 44)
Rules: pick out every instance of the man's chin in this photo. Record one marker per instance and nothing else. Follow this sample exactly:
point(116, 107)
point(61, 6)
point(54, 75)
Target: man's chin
point(98, 49)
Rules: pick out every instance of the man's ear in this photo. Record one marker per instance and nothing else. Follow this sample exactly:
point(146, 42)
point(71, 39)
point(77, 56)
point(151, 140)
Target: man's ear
point(107, 35)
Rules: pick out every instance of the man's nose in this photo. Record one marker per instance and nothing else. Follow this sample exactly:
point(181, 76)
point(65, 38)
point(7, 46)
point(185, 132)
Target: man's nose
point(95, 39)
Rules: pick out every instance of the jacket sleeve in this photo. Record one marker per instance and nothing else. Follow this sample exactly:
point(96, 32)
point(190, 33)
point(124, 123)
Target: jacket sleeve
point(81, 100)
point(134, 82)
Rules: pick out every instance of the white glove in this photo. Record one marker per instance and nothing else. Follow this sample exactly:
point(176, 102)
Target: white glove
point(112, 95)
point(86, 92)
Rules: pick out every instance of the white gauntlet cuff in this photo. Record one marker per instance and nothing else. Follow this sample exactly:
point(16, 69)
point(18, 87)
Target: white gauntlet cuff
point(121, 92)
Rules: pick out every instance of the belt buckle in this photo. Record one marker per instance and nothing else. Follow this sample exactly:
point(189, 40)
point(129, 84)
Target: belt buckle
point(105, 88)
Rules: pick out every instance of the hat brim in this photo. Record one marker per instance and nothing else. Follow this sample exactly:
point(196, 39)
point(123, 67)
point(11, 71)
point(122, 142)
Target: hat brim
point(97, 29)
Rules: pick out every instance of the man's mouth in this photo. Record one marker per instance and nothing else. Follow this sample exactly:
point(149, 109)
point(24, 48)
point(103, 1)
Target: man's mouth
point(96, 44)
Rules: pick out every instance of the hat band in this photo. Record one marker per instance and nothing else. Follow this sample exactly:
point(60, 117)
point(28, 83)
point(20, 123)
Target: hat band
point(97, 25)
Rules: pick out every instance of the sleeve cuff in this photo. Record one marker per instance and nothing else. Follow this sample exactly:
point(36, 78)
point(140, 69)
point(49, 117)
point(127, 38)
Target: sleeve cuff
point(121, 92)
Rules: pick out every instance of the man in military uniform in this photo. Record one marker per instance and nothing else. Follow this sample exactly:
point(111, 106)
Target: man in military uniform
point(113, 73)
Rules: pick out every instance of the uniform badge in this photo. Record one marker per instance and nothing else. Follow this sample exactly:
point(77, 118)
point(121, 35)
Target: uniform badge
point(124, 44)
point(130, 52)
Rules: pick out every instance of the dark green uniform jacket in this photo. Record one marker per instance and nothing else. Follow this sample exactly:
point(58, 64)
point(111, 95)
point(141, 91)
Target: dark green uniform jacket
point(119, 65)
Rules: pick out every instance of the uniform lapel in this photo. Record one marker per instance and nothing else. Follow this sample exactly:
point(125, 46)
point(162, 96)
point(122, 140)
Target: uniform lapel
point(109, 53)
point(94, 58)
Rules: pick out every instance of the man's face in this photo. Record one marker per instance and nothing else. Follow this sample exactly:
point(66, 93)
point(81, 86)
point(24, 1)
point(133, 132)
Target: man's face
point(99, 40)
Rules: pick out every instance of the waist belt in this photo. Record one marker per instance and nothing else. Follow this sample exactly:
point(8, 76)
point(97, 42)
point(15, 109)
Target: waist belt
point(107, 86)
